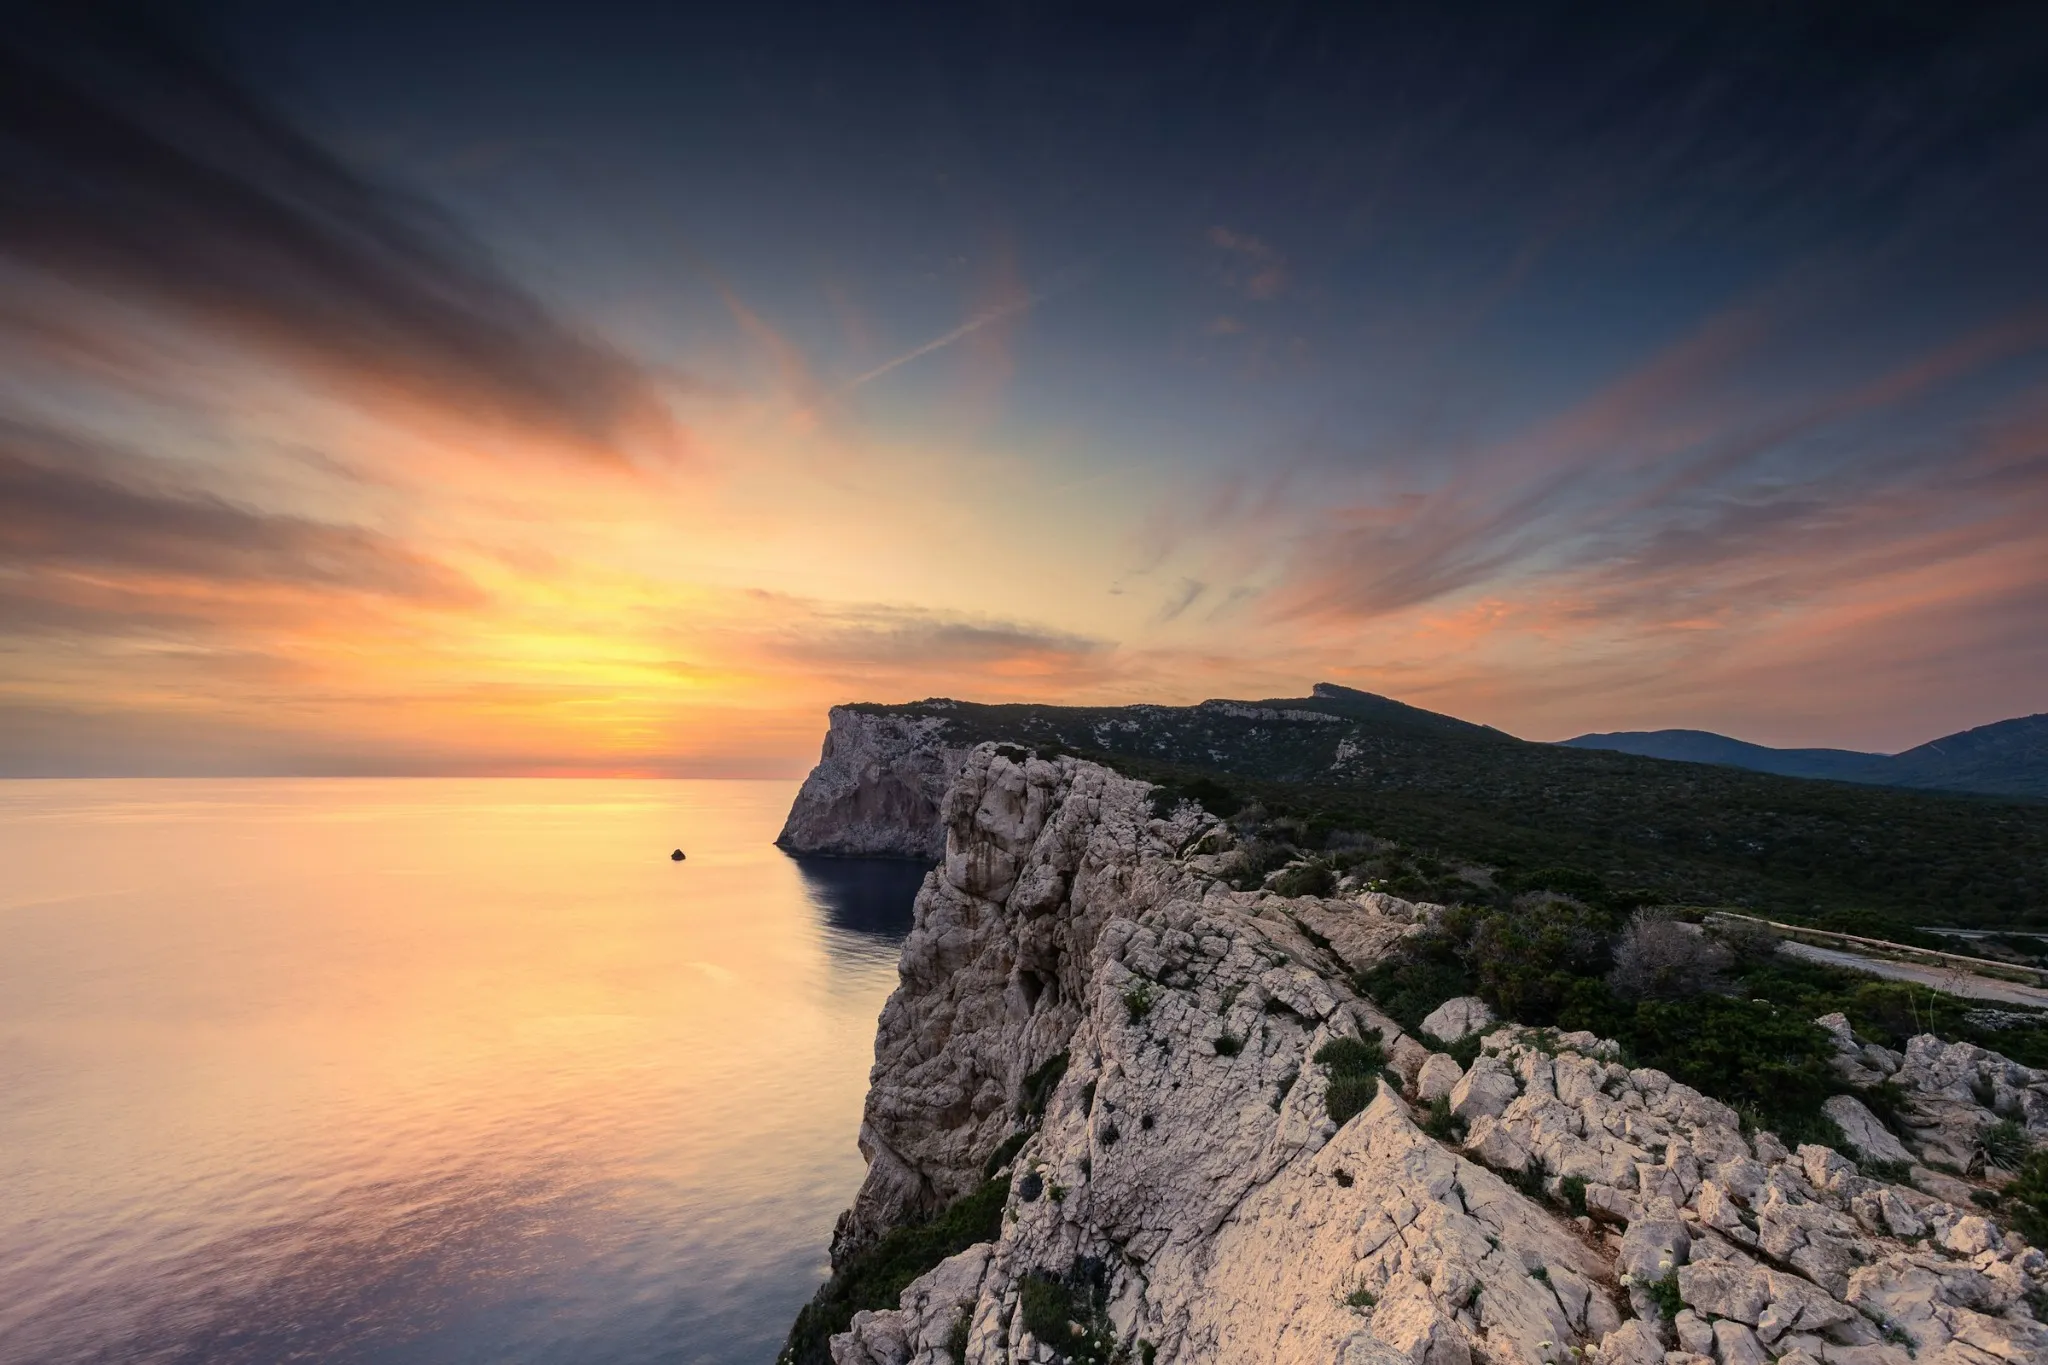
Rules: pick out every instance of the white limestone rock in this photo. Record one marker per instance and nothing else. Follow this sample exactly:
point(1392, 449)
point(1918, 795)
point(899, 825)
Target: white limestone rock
point(1457, 1017)
point(1188, 1149)
point(876, 790)
point(1871, 1139)
point(1438, 1077)
point(1485, 1090)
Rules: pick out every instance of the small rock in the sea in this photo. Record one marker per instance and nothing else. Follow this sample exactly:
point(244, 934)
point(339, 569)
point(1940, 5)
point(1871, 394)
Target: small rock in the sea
point(676, 856)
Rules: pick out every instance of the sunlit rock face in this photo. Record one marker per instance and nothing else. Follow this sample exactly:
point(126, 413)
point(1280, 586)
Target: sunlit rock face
point(1184, 1194)
point(876, 790)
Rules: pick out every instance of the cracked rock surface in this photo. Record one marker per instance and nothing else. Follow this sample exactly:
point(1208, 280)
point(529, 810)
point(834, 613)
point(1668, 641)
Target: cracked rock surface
point(1188, 1161)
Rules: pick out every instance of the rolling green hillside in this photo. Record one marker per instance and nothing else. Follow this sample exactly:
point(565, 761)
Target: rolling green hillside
point(1458, 793)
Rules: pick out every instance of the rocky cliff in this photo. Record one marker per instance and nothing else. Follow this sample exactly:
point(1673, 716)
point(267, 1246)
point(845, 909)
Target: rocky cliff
point(876, 790)
point(1198, 1143)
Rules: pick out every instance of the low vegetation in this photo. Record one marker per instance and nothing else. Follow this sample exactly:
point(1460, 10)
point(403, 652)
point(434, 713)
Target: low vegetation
point(1353, 1066)
point(1070, 1313)
point(2026, 1198)
point(1039, 1085)
point(876, 1276)
point(1722, 1012)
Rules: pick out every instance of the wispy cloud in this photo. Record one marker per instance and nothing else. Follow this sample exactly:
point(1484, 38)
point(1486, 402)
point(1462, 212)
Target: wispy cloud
point(136, 168)
point(68, 508)
point(914, 641)
point(987, 317)
point(1251, 267)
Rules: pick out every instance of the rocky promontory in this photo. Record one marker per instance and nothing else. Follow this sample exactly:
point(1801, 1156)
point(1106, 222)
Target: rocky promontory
point(876, 790)
point(1159, 1122)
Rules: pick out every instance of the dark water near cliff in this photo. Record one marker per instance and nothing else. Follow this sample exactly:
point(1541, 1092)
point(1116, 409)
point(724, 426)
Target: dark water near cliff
point(424, 1071)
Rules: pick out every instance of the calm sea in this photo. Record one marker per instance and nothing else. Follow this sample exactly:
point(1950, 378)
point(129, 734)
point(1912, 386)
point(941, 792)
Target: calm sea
point(411, 1071)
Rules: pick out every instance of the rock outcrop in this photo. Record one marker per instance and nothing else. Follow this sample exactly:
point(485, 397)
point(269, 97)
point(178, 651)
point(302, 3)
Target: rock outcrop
point(1949, 1096)
point(1214, 1150)
point(877, 789)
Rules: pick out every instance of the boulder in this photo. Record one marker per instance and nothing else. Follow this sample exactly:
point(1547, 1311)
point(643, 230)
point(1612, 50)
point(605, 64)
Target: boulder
point(1632, 1344)
point(1863, 1130)
point(1438, 1078)
point(1485, 1091)
point(1735, 1344)
point(1456, 1017)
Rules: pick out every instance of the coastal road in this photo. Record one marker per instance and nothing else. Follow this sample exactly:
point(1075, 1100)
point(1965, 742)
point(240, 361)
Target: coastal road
point(1949, 979)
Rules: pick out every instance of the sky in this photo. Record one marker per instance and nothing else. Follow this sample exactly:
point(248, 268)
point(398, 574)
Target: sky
point(584, 389)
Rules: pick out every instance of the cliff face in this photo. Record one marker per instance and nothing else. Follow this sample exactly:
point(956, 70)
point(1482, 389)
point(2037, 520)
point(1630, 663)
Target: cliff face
point(1228, 1169)
point(876, 790)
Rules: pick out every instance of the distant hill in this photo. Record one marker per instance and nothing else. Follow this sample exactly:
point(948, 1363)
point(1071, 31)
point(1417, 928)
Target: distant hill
point(1695, 833)
point(2009, 758)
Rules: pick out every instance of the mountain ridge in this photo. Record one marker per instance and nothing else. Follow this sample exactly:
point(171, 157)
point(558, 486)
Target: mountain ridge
point(2003, 758)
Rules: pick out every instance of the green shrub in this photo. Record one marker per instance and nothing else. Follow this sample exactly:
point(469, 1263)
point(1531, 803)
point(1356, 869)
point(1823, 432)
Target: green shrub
point(2026, 1198)
point(1052, 1305)
point(1572, 1189)
point(2005, 1144)
point(1529, 1180)
point(1426, 972)
point(1047, 1307)
point(956, 1338)
point(1750, 945)
point(1361, 1298)
point(1138, 1000)
point(1348, 1096)
point(1353, 1065)
point(1464, 1051)
point(1228, 1045)
point(1039, 1086)
point(1256, 858)
point(876, 1275)
point(1664, 1293)
point(1309, 879)
point(1528, 957)
point(1360, 1056)
point(1442, 1124)
point(1745, 1053)
point(1004, 1155)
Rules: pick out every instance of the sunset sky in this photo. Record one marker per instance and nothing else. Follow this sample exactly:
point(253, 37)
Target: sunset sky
point(429, 388)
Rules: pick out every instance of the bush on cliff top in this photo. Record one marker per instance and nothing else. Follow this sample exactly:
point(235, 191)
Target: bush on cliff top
point(1353, 1065)
point(876, 1276)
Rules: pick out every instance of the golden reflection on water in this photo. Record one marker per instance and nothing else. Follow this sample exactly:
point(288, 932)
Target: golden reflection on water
point(423, 1070)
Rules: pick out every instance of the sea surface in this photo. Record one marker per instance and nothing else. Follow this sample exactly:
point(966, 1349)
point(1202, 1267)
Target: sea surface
point(424, 1070)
